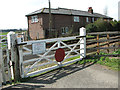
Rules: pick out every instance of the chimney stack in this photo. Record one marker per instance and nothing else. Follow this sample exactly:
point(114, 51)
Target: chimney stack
point(90, 10)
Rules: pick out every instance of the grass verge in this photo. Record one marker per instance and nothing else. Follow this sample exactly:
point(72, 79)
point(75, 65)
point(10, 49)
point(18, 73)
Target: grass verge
point(112, 62)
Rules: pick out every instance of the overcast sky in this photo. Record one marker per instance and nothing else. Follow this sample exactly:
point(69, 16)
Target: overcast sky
point(12, 12)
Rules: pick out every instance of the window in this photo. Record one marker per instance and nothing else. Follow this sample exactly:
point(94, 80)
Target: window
point(65, 30)
point(97, 19)
point(87, 19)
point(93, 19)
point(76, 19)
point(34, 19)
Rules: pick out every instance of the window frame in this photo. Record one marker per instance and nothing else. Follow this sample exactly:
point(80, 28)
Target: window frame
point(34, 19)
point(87, 19)
point(76, 19)
point(93, 19)
point(65, 30)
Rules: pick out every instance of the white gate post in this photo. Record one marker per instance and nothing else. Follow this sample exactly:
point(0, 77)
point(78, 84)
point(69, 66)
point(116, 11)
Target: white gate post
point(9, 39)
point(9, 48)
point(82, 42)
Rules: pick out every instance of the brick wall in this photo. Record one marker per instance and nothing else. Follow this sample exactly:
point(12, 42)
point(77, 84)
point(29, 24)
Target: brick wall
point(36, 29)
point(58, 21)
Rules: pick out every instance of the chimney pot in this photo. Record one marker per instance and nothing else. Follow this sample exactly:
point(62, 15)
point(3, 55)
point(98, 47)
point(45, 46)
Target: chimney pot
point(90, 10)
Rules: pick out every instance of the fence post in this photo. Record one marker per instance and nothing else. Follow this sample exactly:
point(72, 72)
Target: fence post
point(15, 57)
point(108, 44)
point(98, 51)
point(82, 42)
point(2, 68)
point(20, 49)
point(8, 66)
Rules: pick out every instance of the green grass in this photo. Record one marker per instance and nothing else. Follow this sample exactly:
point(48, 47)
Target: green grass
point(4, 33)
point(111, 62)
point(89, 36)
point(73, 58)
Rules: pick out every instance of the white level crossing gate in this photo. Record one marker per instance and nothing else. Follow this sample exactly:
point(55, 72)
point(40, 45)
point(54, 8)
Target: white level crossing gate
point(39, 56)
point(28, 58)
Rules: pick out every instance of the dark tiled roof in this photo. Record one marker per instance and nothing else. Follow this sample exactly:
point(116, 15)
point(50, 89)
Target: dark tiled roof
point(68, 12)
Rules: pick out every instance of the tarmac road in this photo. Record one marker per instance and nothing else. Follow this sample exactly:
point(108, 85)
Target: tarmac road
point(73, 76)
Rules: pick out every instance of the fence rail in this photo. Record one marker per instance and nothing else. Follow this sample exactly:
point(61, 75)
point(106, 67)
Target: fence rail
point(102, 41)
point(104, 33)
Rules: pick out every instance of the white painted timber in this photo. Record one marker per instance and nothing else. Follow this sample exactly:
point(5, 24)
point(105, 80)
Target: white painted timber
point(27, 49)
point(49, 40)
point(8, 66)
point(41, 65)
point(21, 61)
point(50, 68)
point(36, 59)
point(47, 54)
point(9, 39)
point(83, 42)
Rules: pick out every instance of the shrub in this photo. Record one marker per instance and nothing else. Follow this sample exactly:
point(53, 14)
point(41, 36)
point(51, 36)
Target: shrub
point(101, 25)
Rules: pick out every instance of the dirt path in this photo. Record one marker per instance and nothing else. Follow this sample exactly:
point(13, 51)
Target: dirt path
point(74, 76)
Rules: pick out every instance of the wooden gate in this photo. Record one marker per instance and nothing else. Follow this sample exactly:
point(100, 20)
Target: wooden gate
point(38, 56)
point(5, 71)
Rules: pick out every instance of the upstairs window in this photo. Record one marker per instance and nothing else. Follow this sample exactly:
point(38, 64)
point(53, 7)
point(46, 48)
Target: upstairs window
point(76, 19)
point(34, 19)
point(87, 19)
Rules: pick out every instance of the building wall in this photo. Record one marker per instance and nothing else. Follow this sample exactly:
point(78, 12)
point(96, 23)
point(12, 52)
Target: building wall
point(36, 29)
point(58, 22)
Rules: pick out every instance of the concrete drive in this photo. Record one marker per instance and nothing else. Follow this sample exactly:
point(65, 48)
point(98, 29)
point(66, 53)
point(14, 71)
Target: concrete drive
point(74, 76)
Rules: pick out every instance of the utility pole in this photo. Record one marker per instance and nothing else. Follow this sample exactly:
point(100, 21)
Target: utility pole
point(50, 19)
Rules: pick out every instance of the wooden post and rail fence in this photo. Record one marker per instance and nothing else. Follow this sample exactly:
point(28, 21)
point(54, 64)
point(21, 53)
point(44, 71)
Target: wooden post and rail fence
point(103, 42)
point(95, 43)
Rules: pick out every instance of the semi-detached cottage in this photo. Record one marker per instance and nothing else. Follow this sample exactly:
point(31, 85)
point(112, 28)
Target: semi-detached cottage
point(63, 21)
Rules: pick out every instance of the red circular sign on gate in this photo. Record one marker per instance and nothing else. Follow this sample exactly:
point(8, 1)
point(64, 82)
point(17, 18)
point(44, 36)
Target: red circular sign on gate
point(59, 55)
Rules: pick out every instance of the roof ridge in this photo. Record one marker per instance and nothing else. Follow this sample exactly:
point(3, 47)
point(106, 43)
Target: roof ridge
point(68, 12)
